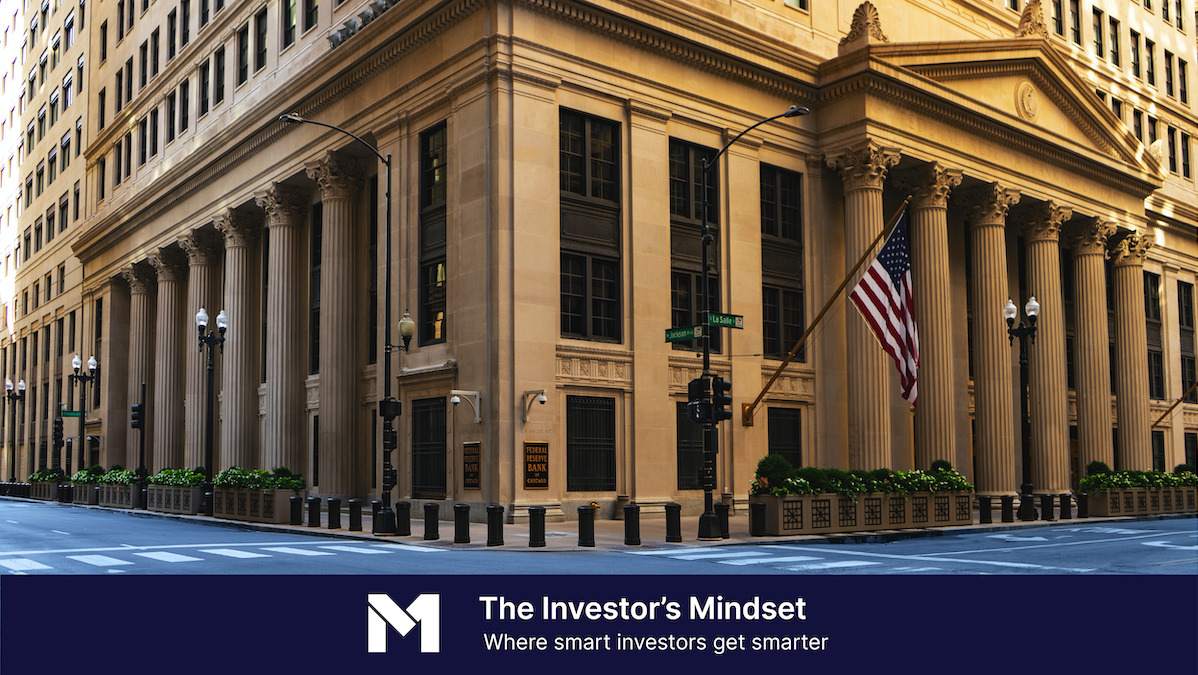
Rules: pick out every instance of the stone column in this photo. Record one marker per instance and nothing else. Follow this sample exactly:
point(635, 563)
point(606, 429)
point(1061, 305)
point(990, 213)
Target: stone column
point(203, 251)
point(1047, 377)
point(935, 421)
point(141, 356)
point(994, 413)
point(341, 466)
point(169, 354)
point(239, 374)
point(1092, 363)
point(285, 437)
point(1131, 350)
point(863, 171)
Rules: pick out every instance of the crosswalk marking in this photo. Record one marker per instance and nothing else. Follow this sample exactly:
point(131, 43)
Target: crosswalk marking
point(22, 564)
point(167, 556)
point(296, 551)
point(99, 560)
point(834, 564)
point(768, 561)
point(711, 556)
point(233, 553)
point(409, 547)
point(355, 549)
point(671, 552)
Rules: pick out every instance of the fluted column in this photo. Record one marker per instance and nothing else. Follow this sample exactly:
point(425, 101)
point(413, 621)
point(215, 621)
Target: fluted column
point(1092, 363)
point(994, 411)
point(284, 440)
point(1047, 376)
point(169, 354)
point(141, 355)
point(935, 421)
point(203, 251)
point(340, 181)
point(239, 393)
point(863, 171)
point(1131, 352)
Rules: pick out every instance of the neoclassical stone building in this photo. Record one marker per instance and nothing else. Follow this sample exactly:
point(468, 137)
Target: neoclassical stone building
point(546, 205)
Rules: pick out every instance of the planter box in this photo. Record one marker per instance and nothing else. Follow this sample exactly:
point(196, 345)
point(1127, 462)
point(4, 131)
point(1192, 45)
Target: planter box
point(117, 496)
point(264, 506)
point(85, 493)
point(829, 513)
point(1142, 501)
point(1189, 499)
point(44, 490)
point(174, 499)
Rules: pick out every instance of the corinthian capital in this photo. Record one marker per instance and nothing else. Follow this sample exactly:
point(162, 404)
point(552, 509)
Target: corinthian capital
point(338, 177)
point(140, 278)
point(1131, 250)
point(284, 204)
point(169, 263)
point(201, 246)
point(929, 185)
point(988, 204)
point(237, 227)
point(1089, 236)
point(1042, 221)
point(863, 167)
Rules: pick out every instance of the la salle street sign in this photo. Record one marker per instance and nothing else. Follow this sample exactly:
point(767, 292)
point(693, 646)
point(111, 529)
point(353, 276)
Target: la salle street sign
point(726, 320)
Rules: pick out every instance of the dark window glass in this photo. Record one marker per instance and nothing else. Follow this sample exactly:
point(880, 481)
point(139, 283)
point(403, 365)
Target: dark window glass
point(689, 451)
point(785, 434)
point(590, 444)
point(428, 448)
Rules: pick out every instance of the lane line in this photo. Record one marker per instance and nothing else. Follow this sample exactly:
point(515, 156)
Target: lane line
point(166, 556)
point(296, 551)
point(355, 549)
point(233, 553)
point(830, 565)
point(768, 561)
point(716, 556)
point(409, 547)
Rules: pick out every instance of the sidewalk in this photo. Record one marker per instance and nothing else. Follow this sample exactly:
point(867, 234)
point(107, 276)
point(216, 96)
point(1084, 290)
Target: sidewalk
point(610, 534)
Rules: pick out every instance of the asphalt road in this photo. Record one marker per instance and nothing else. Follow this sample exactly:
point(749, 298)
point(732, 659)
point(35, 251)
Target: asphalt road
point(48, 539)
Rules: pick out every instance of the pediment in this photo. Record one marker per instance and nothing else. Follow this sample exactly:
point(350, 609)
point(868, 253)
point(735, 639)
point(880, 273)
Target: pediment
point(1028, 84)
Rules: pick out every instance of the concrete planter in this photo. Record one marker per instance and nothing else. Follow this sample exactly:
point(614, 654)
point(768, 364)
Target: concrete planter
point(44, 490)
point(174, 499)
point(117, 496)
point(85, 493)
point(1142, 501)
point(870, 512)
point(263, 506)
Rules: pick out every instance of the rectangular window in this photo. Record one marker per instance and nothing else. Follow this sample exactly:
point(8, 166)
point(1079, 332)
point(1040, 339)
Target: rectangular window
point(1058, 18)
point(1158, 437)
point(786, 434)
point(205, 6)
point(143, 138)
point(243, 54)
point(1169, 73)
point(144, 63)
point(689, 449)
point(429, 457)
point(1098, 41)
point(1137, 124)
point(205, 85)
point(218, 83)
point(1183, 81)
point(154, 132)
point(433, 199)
point(1150, 61)
point(311, 9)
point(1113, 38)
point(155, 39)
point(1075, 22)
point(184, 22)
point(172, 33)
point(172, 109)
point(1185, 155)
point(288, 16)
point(184, 105)
point(260, 40)
point(590, 444)
point(1171, 136)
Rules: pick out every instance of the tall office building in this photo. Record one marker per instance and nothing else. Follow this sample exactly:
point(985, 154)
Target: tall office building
point(546, 208)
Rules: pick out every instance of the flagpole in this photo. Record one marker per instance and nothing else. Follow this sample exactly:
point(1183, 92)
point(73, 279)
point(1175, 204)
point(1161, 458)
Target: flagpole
point(749, 409)
point(1175, 404)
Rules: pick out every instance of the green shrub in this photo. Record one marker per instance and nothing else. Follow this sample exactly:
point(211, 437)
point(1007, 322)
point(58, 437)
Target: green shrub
point(177, 478)
point(941, 465)
point(119, 477)
point(91, 474)
point(238, 478)
point(50, 475)
point(1183, 468)
point(1097, 467)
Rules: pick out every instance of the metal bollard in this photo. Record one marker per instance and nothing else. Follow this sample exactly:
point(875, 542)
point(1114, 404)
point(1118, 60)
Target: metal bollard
point(632, 525)
point(673, 522)
point(1008, 508)
point(142, 497)
point(313, 512)
point(494, 525)
point(721, 512)
point(403, 519)
point(461, 524)
point(756, 519)
point(355, 515)
point(586, 525)
point(985, 517)
point(1083, 505)
point(375, 505)
point(536, 526)
point(1066, 508)
point(334, 513)
point(431, 526)
point(1046, 507)
point(297, 510)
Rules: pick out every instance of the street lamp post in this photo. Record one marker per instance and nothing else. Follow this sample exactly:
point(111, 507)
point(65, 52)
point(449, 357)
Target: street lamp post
point(1026, 332)
point(389, 407)
point(709, 524)
point(82, 379)
point(14, 397)
point(211, 340)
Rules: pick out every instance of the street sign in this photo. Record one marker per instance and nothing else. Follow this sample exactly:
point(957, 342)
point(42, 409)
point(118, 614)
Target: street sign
point(72, 413)
point(726, 320)
point(688, 333)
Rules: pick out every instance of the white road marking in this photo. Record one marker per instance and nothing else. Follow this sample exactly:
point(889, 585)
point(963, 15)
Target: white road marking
point(1015, 537)
point(1165, 544)
point(233, 553)
point(59, 532)
point(928, 558)
point(21, 564)
point(354, 549)
point(167, 556)
point(770, 561)
point(409, 547)
point(672, 551)
point(832, 564)
point(295, 551)
point(715, 556)
point(99, 560)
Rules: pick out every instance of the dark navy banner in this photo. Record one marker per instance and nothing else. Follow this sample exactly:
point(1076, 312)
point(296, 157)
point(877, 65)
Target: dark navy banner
point(845, 624)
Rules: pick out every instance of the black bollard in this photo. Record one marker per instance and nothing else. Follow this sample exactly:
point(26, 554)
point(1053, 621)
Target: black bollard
point(94, 497)
point(375, 505)
point(586, 525)
point(431, 526)
point(1046, 507)
point(756, 519)
point(1066, 508)
point(721, 512)
point(297, 510)
point(313, 512)
point(1083, 505)
point(1008, 508)
point(632, 525)
point(355, 515)
point(494, 525)
point(985, 517)
point(674, 522)
point(461, 524)
point(142, 497)
point(536, 526)
point(403, 519)
point(334, 513)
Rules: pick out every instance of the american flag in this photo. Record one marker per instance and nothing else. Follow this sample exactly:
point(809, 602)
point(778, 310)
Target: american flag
point(883, 295)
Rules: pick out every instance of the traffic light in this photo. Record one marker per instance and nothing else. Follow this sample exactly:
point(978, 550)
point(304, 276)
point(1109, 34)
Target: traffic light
point(136, 416)
point(721, 398)
point(58, 435)
point(699, 399)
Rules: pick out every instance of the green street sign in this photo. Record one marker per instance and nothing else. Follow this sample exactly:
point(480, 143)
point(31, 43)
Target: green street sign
point(726, 320)
point(688, 333)
point(72, 413)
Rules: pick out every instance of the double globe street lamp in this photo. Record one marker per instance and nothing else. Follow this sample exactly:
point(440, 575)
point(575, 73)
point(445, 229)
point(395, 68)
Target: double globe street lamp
point(212, 340)
point(14, 397)
point(1026, 332)
point(82, 379)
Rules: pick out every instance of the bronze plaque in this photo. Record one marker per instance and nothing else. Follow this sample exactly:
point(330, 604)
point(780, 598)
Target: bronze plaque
point(536, 466)
point(472, 466)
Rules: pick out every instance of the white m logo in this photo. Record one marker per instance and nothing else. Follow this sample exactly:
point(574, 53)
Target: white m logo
point(382, 612)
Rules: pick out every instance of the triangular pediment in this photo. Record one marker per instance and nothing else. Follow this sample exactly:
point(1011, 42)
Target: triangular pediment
point(1028, 84)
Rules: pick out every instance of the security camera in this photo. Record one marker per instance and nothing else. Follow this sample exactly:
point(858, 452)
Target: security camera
point(541, 399)
point(456, 399)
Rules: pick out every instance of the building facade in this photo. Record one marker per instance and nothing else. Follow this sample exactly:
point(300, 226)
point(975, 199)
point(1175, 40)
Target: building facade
point(546, 210)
